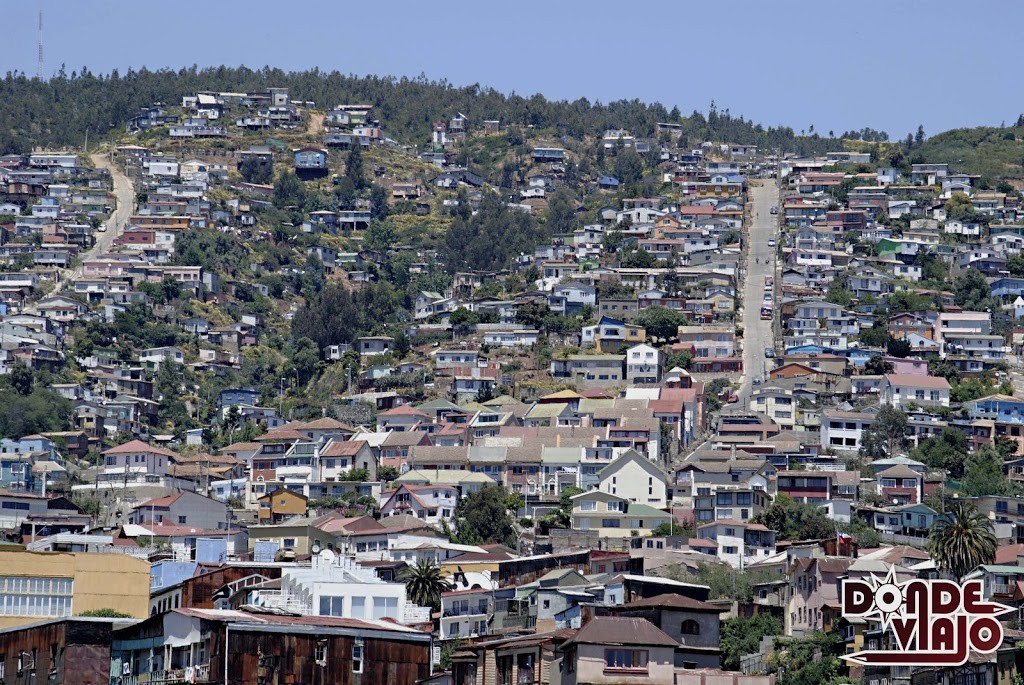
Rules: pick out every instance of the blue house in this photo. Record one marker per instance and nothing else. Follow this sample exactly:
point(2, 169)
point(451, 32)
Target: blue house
point(1007, 287)
point(238, 397)
point(916, 519)
point(310, 158)
point(608, 183)
point(998, 408)
point(810, 349)
point(857, 357)
point(310, 162)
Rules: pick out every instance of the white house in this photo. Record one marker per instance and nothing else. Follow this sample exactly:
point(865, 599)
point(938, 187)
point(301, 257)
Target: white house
point(644, 364)
point(842, 430)
point(900, 390)
point(635, 477)
point(512, 338)
point(739, 544)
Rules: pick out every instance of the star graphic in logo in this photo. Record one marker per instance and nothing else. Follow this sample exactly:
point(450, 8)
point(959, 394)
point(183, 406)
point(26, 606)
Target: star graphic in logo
point(889, 598)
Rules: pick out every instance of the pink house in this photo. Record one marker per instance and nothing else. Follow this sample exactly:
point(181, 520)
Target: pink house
point(907, 367)
point(814, 594)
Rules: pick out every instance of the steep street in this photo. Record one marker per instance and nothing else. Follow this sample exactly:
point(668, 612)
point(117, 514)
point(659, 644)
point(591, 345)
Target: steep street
point(760, 262)
point(124, 191)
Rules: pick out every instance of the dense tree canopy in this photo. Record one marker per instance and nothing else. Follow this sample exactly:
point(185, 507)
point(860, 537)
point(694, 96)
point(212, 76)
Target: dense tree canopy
point(60, 110)
point(490, 239)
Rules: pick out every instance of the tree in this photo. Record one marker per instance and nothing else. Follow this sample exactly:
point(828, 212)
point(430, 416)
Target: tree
point(379, 235)
point(661, 322)
point(354, 167)
point(959, 207)
point(874, 336)
point(983, 474)
point(962, 540)
point(289, 190)
point(898, 347)
point(947, 451)
point(838, 295)
point(741, 636)
point(886, 436)
point(796, 520)
point(1015, 265)
point(378, 202)
point(257, 169)
point(305, 359)
point(483, 517)
point(877, 366)
point(682, 359)
point(671, 528)
point(424, 584)
point(562, 516)
point(628, 167)
point(639, 259)
point(971, 291)
point(22, 378)
point(387, 473)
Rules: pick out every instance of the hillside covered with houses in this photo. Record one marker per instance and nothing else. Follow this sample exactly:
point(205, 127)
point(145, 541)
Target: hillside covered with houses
point(505, 398)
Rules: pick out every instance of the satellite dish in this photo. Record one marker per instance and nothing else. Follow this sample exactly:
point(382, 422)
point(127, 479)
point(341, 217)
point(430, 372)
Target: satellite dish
point(316, 548)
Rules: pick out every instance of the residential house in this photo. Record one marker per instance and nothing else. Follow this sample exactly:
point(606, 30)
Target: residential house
point(901, 391)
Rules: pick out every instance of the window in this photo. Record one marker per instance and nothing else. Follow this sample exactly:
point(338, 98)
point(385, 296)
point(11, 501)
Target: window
point(625, 659)
point(609, 523)
point(359, 607)
point(690, 627)
point(525, 662)
point(39, 596)
point(320, 653)
point(332, 606)
point(728, 550)
point(504, 664)
point(385, 606)
point(357, 655)
point(588, 505)
point(181, 520)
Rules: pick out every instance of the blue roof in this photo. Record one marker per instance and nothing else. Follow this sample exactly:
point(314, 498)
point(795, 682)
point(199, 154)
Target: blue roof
point(608, 181)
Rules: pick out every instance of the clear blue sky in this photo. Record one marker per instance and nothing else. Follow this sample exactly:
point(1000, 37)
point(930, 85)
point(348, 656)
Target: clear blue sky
point(887, 64)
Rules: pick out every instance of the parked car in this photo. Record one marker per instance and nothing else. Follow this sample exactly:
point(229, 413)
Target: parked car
point(769, 352)
point(771, 243)
point(775, 210)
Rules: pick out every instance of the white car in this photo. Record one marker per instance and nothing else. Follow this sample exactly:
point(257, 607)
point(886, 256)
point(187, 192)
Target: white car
point(771, 243)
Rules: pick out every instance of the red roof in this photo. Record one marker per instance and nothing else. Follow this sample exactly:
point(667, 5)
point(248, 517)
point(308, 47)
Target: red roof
point(165, 501)
point(136, 446)
point(913, 381)
point(734, 522)
point(343, 448)
point(404, 410)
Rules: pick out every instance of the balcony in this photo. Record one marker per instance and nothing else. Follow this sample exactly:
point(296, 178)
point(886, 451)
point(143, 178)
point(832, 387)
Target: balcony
point(196, 674)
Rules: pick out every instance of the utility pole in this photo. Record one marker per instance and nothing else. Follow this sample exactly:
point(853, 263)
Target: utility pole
point(39, 42)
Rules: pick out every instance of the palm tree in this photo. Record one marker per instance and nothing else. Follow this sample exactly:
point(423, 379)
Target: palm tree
point(962, 540)
point(424, 584)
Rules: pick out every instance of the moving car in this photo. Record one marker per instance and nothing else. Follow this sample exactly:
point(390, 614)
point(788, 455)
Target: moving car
point(771, 242)
point(775, 209)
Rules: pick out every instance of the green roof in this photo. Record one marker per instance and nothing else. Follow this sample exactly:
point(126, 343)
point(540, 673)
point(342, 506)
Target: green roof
point(546, 410)
point(645, 510)
point(590, 405)
point(444, 477)
point(439, 404)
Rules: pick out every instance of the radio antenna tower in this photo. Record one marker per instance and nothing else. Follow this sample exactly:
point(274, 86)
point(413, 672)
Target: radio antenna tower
point(39, 40)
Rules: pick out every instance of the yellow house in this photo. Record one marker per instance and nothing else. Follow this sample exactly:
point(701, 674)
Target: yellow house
point(35, 586)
